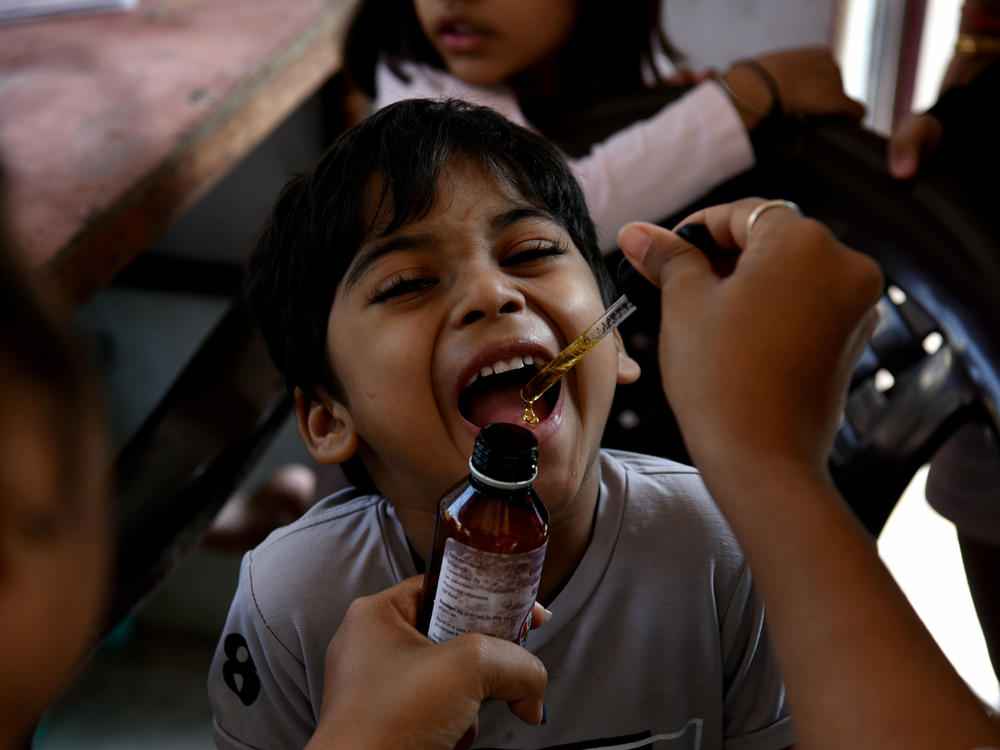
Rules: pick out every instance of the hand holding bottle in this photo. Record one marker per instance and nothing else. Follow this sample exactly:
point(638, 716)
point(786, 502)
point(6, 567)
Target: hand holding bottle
point(386, 685)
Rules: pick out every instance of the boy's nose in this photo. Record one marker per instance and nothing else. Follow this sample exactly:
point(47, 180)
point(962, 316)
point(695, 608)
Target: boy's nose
point(484, 295)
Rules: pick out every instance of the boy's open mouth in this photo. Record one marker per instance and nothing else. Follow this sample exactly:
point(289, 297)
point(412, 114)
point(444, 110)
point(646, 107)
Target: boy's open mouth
point(494, 393)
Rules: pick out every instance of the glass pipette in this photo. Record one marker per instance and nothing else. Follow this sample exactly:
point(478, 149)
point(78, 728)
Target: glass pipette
point(564, 361)
point(696, 234)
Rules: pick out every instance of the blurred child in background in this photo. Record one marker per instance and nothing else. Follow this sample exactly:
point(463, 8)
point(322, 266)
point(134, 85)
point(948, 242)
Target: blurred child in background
point(645, 138)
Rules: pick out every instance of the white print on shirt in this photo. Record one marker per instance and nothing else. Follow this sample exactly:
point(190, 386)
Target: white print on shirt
point(485, 592)
point(687, 737)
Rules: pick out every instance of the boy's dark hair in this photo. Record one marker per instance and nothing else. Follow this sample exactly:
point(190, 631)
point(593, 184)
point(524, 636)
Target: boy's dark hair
point(321, 219)
point(613, 42)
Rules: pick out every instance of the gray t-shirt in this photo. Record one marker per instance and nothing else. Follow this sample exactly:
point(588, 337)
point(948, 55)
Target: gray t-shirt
point(657, 640)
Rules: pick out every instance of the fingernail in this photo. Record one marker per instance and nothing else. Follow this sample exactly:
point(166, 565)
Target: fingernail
point(634, 241)
point(902, 164)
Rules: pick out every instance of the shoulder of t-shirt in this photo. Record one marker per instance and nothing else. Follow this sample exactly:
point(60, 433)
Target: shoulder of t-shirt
point(644, 463)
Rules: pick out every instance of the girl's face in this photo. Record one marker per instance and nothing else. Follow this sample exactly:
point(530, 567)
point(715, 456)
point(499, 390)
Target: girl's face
point(491, 41)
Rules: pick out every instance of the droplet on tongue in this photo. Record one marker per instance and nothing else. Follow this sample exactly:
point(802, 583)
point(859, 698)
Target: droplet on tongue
point(503, 405)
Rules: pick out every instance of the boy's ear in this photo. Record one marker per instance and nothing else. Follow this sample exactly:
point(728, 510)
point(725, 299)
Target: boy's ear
point(326, 427)
point(628, 368)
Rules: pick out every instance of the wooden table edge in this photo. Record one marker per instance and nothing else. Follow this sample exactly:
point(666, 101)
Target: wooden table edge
point(231, 131)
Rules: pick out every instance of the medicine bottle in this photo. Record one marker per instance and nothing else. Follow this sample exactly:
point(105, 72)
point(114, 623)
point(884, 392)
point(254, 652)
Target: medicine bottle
point(489, 543)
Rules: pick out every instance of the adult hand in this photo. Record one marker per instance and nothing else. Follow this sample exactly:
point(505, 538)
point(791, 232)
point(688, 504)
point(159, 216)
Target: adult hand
point(387, 685)
point(808, 82)
point(915, 136)
point(756, 365)
point(919, 135)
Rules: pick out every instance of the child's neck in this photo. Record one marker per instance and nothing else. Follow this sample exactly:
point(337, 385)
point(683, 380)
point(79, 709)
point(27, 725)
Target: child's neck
point(568, 541)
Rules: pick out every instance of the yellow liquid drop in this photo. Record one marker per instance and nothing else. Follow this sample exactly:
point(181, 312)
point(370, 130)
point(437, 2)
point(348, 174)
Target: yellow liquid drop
point(548, 375)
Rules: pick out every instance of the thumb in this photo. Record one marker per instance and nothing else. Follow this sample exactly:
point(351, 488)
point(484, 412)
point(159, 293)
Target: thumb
point(659, 254)
point(916, 136)
point(904, 156)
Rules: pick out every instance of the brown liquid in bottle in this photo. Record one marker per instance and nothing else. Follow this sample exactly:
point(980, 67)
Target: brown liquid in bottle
point(508, 523)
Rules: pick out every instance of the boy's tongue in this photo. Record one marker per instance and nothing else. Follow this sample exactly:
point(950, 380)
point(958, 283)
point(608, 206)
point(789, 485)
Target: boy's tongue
point(503, 404)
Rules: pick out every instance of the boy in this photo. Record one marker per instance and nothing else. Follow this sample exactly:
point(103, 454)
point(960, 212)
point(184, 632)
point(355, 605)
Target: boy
point(861, 654)
point(406, 288)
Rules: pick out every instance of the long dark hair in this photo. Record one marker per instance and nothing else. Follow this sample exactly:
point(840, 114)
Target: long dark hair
point(613, 42)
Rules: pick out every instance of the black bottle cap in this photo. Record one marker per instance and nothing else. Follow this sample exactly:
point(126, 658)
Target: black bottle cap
point(699, 236)
point(505, 453)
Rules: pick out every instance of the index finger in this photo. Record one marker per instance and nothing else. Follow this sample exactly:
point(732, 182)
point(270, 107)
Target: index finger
point(727, 222)
point(504, 671)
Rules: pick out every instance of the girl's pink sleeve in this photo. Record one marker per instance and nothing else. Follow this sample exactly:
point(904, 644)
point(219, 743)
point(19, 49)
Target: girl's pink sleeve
point(656, 167)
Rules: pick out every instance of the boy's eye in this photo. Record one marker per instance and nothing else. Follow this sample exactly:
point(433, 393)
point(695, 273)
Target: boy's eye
point(535, 251)
point(398, 286)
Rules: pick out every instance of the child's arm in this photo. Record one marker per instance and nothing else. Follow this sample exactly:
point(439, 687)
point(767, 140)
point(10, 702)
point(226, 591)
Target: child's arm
point(756, 366)
point(805, 80)
point(657, 166)
point(385, 681)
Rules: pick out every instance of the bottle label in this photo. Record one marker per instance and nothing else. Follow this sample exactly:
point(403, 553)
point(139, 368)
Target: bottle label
point(485, 592)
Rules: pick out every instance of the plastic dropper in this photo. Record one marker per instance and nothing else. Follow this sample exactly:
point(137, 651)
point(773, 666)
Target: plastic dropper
point(564, 361)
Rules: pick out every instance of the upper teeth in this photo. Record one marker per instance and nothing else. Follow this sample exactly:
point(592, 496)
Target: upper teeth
point(502, 365)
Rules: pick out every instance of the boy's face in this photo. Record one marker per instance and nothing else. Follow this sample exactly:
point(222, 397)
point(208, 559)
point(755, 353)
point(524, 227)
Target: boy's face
point(483, 279)
point(489, 41)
